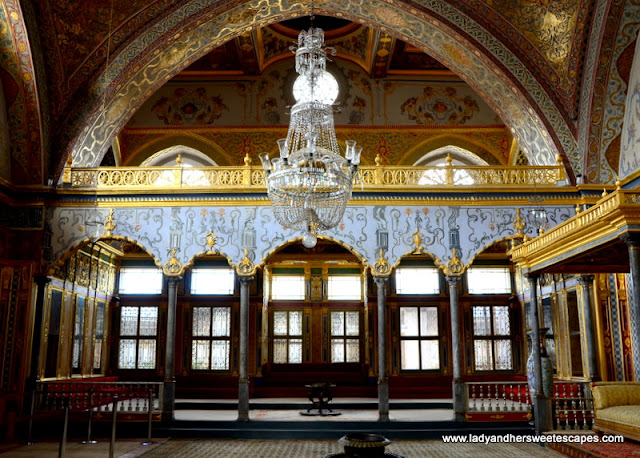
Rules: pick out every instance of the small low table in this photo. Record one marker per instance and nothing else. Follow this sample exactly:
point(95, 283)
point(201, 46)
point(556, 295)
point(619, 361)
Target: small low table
point(320, 395)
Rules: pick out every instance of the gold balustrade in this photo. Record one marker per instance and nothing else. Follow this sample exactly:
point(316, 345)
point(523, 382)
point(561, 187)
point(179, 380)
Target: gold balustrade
point(250, 178)
point(611, 214)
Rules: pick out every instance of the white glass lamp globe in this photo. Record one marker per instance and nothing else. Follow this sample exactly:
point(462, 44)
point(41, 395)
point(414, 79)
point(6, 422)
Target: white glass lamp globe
point(324, 91)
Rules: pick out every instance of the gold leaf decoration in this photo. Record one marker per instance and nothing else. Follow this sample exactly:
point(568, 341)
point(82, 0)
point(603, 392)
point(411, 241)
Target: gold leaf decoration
point(210, 242)
point(173, 266)
point(454, 267)
point(417, 241)
point(110, 223)
point(381, 268)
point(246, 266)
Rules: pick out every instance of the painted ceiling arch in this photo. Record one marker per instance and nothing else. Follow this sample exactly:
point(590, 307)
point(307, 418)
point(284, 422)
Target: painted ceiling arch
point(174, 41)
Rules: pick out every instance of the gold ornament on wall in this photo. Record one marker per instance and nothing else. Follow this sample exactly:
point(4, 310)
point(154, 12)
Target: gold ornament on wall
point(417, 241)
point(110, 223)
point(210, 242)
point(519, 224)
point(246, 266)
point(381, 268)
point(454, 267)
point(173, 266)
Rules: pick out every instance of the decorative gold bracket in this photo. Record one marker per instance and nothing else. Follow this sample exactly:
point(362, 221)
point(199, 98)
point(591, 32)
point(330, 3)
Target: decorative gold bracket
point(519, 224)
point(246, 267)
point(381, 268)
point(454, 266)
point(173, 267)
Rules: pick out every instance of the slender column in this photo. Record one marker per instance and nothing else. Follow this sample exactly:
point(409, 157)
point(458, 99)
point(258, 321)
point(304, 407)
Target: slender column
point(169, 394)
point(243, 380)
point(383, 381)
point(41, 282)
point(633, 243)
point(541, 404)
point(459, 395)
point(590, 360)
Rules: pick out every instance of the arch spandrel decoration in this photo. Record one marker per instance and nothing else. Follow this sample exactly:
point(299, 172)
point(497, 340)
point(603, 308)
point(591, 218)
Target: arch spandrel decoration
point(175, 236)
point(455, 51)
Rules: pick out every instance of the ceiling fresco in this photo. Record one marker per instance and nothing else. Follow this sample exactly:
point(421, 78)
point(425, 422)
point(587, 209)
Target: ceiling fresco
point(526, 58)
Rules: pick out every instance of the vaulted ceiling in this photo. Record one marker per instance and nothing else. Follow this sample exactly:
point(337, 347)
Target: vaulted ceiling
point(73, 73)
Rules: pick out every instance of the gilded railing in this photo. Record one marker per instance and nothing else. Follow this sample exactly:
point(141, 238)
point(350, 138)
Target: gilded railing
point(584, 220)
point(252, 178)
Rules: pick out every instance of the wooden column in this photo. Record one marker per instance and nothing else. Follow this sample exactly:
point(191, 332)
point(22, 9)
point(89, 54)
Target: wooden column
point(589, 360)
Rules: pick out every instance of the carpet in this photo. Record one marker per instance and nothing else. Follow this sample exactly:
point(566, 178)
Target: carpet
point(627, 449)
point(178, 448)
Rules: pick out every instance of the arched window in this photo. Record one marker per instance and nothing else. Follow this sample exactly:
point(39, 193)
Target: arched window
point(438, 158)
point(180, 156)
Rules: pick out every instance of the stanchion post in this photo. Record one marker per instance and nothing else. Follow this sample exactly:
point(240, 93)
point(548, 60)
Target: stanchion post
point(62, 451)
point(89, 441)
point(31, 414)
point(150, 418)
point(112, 445)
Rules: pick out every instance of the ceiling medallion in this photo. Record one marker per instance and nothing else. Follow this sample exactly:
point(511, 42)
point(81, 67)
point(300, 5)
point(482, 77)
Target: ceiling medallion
point(310, 184)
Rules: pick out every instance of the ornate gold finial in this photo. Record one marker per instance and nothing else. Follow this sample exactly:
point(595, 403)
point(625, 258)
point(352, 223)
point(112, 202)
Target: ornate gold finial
point(417, 241)
point(578, 209)
point(618, 185)
point(604, 192)
point(246, 266)
point(110, 223)
point(541, 230)
point(381, 268)
point(378, 160)
point(179, 160)
point(519, 224)
point(449, 160)
point(66, 174)
point(210, 242)
point(173, 266)
point(247, 160)
point(454, 267)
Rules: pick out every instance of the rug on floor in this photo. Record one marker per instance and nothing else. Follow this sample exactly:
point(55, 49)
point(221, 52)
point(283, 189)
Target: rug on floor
point(179, 448)
point(627, 449)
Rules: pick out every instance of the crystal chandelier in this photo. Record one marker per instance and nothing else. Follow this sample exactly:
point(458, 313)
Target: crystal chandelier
point(310, 184)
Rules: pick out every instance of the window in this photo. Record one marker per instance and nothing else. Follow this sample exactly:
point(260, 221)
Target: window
point(419, 344)
point(417, 280)
point(287, 287)
point(78, 335)
point(489, 280)
point(492, 338)
point(212, 281)
point(287, 336)
point(138, 337)
point(344, 288)
point(99, 338)
point(345, 337)
point(211, 333)
point(140, 280)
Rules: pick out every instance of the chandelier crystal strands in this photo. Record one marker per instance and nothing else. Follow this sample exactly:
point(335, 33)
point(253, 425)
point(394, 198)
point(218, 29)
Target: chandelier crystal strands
point(310, 184)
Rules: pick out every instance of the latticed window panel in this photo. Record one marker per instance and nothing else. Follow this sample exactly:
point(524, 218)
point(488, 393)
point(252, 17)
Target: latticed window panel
point(492, 344)
point(287, 336)
point(211, 331)
point(345, 332)
point(419, 338)
point(99, 337)
point(138, 337)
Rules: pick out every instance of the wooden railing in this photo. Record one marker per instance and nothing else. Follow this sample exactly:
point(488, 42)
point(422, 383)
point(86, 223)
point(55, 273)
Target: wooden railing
point(572, 404)
point(133, 397)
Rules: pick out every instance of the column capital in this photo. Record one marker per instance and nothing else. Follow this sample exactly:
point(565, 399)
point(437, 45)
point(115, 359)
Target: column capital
point(585, 280)
point(246, 279)
point(173, 279)
point(632, 239)
point(380, 281)
point(453, 279)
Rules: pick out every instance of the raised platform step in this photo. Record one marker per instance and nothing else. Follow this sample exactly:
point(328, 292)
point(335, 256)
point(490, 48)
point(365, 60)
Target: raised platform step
point(303, 404)
point(334, 429)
